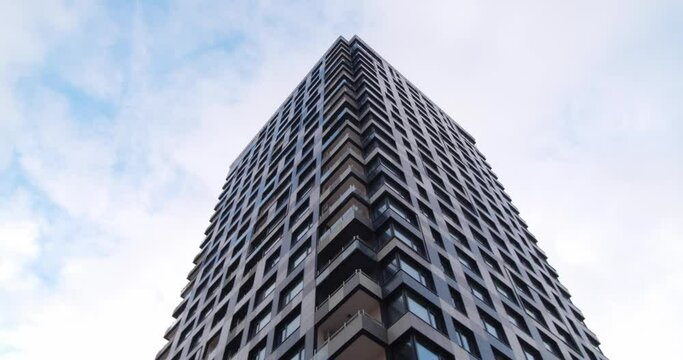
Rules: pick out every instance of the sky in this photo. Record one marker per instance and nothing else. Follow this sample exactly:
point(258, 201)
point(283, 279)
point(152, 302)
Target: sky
point(119, 120)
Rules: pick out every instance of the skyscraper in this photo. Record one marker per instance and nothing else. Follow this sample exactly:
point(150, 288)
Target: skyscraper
point(362, 223)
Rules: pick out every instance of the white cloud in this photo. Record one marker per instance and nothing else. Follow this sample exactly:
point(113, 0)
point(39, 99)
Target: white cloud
point(18, 247)
point(575, 105)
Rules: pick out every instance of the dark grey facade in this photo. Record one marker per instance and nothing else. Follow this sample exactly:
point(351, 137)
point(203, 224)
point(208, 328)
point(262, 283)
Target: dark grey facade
point(363, 223)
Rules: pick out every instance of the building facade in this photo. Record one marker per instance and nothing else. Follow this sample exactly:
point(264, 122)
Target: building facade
point(363, 223)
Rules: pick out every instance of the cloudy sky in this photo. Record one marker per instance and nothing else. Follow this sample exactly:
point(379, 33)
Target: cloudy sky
point(118, 121)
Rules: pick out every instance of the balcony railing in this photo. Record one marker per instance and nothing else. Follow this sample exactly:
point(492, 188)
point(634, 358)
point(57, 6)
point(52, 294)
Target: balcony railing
point(346, 333)
point(333, 146)
point(341, 158)
point(329, 205)
point(356, 274)
point(340, 177)
point(350, 214)
point(357, 240)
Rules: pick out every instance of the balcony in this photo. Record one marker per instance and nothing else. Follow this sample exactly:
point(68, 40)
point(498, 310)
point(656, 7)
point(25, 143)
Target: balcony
point(347, 135)
point(340, 176)
point(352, 219)
point(360, 337)
point(356, 256)
point(351, 186)
point(344, 153)
point(351, 158)
point(358, 292)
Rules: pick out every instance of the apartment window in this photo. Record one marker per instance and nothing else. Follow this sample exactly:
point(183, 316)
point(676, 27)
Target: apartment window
point(261, 320)
point(302, 230)
point(457, 236)
point(297, 352)
point(272, 261)
point(438, 239)
point(550, 345)
point(468, 262)
point(299, 213)
point(291, 291)
point(259, 351)
point(387, 203)
point(265, 290)
point(414, 346)
point(424, 312)
point(219, 315)
point(516, 319)
point(287, 327)
point(233, 347)
point(305, 189)
point(521, 286)
point(533, 312)
point(244, 289)
point(498, 355)
point(458, 303)
point(465, 338)
point(404, 301)
point(239, 316)
point(399, 262)
point(389, 183)
point(568, 339)
point(490, 261)
point(529, 352)
point(393, 230)
point(504, 290)
point(492, 326)
point(299, 256)
point(479, 291)
point(446, 265)
point(426, 211)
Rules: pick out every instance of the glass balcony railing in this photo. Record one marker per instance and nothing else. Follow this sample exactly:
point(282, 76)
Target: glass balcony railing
point(357, 241)
point(337, 295)
point(345, 337)
point(339, 197)
point(341, 221)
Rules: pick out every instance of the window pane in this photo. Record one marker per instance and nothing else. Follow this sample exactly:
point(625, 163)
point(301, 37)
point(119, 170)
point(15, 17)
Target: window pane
point(425, 354)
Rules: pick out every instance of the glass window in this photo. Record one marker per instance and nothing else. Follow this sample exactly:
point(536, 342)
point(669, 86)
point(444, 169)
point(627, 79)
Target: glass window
point(296, 354)
point(259, 352)
point(265, 290)
point(422, 312)
point(516, 319)
point(273, 260)
point(395, 231)
point(550, 345)
point(465, 338)
point(424, 353)
point(492, 326)
point(415, 273)
point(446, 265)
point(301, 230)
point(491, 329)
point(261, 321)
point(504, 290)
point(468, 262)
point(292, 291)
point(287, 327)
point(299, 256)
point(529, 352)
point(458, 303)
point(413, 347)
point(479, 291)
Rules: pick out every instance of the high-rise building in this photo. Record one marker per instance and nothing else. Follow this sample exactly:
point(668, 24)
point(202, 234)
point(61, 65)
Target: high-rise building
point(362, 223)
